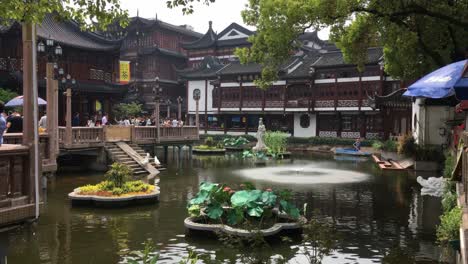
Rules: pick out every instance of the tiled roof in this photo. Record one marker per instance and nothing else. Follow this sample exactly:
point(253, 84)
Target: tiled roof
point(151, 50)
point(156, 22)
point(336, 58)
point(302, 68)
point(208, 68)
point(238, 68)
point(69, 33)
point(208, 40)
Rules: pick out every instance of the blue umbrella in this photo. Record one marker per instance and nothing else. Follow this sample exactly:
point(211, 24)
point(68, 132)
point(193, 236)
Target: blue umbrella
point(441, 83)
point(18, 101)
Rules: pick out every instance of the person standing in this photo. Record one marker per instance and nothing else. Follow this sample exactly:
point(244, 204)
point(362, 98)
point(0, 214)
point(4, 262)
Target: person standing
point(76, 120)
point(3, 123)
point(104, 119)
point(43, 121)
point(175, 123)
point(15, 123)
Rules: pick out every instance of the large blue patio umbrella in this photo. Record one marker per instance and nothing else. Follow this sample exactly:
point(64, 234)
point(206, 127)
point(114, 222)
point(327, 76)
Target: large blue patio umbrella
point(444, 82)
point(18, 101)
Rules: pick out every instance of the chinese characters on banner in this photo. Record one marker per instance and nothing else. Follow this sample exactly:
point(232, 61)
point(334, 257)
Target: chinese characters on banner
point(124, 70)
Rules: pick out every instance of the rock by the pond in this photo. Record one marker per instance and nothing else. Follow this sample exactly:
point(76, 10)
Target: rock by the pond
point(433, 186)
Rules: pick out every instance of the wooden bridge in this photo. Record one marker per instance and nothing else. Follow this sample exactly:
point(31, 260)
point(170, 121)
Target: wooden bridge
point(87, 137)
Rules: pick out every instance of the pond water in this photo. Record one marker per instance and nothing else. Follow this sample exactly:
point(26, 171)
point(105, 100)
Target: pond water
point(374, 214)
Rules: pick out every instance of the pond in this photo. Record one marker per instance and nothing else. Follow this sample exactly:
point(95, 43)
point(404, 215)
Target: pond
point(374, 214)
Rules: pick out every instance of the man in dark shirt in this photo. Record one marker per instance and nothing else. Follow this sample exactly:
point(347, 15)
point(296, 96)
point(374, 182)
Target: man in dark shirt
point(15, 123)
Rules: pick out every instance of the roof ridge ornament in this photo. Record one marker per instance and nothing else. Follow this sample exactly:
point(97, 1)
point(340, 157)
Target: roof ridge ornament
point(210, 24)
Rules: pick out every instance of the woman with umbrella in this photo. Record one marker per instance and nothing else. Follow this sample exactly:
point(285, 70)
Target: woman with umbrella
point(15, 121)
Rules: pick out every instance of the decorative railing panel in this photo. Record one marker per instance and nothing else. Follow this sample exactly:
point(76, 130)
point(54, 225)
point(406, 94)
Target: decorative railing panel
point(372, 135)
point(348, 103)
point(328, 134)
point(325, 103)
point(230, 104)
point(87, 134)
point(252, 104)
point(274, 104)
point(350, 134)
point(179, 133)
point(17, 139)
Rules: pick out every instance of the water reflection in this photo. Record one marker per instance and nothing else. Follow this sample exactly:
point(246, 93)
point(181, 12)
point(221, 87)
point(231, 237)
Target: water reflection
point(374, 216)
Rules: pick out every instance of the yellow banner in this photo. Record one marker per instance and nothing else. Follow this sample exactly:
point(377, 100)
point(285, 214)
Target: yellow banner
point(124, 71)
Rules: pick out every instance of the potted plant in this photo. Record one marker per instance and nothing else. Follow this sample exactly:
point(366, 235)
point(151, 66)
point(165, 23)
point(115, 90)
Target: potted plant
point(245, 212)
point(116, 190)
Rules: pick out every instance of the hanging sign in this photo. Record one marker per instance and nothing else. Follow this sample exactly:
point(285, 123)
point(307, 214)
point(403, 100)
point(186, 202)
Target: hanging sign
point(124, 70)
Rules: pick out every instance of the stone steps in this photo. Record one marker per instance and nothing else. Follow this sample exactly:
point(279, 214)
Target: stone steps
point(118, 155)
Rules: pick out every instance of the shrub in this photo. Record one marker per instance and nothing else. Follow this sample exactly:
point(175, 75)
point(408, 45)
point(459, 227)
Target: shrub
point(209, 141)
point(89, 189)
point(118, 174)
point(449, 201)
point(276, 142)
point(377, 145)
point(117, 191)
point(105, 186)
point(125, 110)
point(407, 146)
point(449, 166)
point(390, 145)
point(449, 225)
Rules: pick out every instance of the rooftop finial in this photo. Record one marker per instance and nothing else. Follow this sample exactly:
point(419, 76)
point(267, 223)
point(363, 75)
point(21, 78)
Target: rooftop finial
point(210, 23)
point(156, 16)
point(138, 12)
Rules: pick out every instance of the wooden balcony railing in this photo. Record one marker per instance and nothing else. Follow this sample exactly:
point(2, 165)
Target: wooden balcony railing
point(14, 173)
point(90, 136)
point(179, 133)
point(17, 139)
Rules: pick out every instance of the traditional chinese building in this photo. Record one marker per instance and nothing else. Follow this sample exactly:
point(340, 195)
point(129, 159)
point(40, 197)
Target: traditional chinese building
point(155, 51)
point(89, 58)
point(318, 93)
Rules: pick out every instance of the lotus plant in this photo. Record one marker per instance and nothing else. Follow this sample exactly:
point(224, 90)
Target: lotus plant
point(220, 202)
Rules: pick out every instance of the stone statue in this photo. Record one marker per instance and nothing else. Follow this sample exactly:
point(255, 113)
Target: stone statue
point(260, 134)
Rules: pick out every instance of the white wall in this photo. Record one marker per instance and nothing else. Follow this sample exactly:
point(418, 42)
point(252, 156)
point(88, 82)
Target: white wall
point(192, 85)
point(305, 132)
point(430, 121)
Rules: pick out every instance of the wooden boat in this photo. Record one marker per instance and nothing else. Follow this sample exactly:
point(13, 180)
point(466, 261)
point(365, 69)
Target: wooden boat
point(351, 152)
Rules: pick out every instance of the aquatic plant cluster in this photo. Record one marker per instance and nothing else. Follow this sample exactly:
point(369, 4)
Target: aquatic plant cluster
point(276, 142)
point(235, 141)
point(247, 205)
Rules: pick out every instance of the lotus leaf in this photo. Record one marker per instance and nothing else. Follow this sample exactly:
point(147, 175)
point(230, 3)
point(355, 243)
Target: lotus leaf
point(255, 211)
point(245, 198)
point(269, 198)
point(214, 211)
point(235, 216)
point(201, 197)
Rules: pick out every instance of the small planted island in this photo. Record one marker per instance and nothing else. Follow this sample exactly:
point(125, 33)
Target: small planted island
point(245, 212)
point(116, 191)
point(209, 147)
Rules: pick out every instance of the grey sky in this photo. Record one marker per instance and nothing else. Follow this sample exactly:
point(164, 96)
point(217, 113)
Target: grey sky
point(222, 13)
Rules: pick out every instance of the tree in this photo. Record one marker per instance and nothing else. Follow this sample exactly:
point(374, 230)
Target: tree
point(127, 110)
point(187, 5)
point(417, 36)
point(89, 14)
point(7, 95)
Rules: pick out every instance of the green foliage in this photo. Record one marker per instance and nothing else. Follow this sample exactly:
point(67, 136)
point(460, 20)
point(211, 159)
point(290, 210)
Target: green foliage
point(407, 146)
point(235, 141)
point(449, 225)
point(206, 147)
point(118, 174)
point(276, 142)
point(7, 95)
point(449, 201)
point(247, 154)
point(89, 14)
point(390, 145)
point(127, 110)
point(89, 189)
point(135, 187)
point(378, 145)
point(209, 141)
point(117, 191)
point(220, 202)
point(405, 30)
point(221, 137)
point(449, 166)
